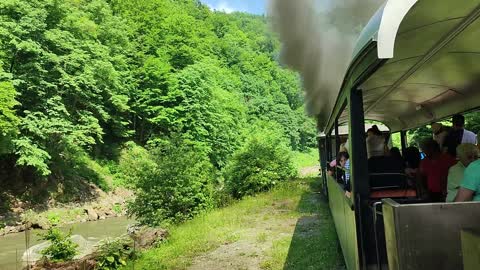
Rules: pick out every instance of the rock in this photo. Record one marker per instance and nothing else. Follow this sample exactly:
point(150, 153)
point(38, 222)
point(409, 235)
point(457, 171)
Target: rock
point(92, 214)
point(21, 228)
point(41, 224)
point(85, 248)
point(102, 218)
point(10, 229)
point(147, 237)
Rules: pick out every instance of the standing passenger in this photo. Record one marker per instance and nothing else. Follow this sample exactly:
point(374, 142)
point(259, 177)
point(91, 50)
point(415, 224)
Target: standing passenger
point(458, 135)
point(375, 142)
point(434, 170)
point(467, 153)
point(440, 132)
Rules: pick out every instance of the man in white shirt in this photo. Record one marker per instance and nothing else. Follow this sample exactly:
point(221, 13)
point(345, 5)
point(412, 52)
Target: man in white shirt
point(459, 123)
point(459, 135)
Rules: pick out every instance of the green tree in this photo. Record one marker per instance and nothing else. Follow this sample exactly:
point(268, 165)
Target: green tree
point(179, 188)
point(8, 117)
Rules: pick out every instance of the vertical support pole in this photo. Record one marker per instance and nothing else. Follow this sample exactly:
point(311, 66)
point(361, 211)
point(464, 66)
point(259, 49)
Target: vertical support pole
point(323, 163)
point(403, 140)
point(359, 171)
point(328, 147)
point(337, 138)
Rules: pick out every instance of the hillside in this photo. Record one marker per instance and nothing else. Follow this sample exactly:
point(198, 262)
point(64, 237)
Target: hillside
point(138, 95)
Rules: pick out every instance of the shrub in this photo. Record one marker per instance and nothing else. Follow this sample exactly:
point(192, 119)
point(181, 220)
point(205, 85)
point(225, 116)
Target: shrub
point(61, 249)
point(261, 163)
point(134, 161)
point(53, 218)
point(113, 254)
point(178, 188)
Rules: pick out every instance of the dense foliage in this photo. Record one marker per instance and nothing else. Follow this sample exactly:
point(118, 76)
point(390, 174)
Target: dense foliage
point(61, 247)
point(260, 164)
point(95, 90)
point(179, 187)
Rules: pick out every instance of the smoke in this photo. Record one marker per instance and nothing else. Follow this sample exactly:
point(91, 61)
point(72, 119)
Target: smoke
point(317, 38)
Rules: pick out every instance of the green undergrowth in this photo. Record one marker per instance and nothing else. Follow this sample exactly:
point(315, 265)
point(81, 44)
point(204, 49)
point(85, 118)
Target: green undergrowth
point(307, 158)
point(299, 227)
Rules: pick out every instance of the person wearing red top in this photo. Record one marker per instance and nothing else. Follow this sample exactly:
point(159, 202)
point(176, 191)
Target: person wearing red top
point(433, 172)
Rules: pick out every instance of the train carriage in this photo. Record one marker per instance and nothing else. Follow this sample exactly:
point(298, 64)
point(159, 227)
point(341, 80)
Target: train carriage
point(417, 61)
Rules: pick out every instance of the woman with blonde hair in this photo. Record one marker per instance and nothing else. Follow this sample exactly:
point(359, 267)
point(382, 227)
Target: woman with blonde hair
point(467, 153)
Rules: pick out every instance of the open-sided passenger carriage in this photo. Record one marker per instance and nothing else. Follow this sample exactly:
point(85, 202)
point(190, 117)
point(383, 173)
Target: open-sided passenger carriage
point(417, 61)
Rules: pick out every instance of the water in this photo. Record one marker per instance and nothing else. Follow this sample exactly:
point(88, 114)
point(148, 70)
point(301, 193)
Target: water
point(12, 246)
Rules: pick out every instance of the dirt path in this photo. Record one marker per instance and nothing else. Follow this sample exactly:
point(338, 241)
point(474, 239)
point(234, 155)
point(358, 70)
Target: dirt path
point(252, 247)
point(276, 238)
point(310, 171)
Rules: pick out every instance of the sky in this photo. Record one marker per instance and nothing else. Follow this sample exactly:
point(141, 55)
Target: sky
point(228, 6)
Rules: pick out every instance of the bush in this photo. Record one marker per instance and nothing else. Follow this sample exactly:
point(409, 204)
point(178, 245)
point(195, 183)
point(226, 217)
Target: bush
point(113, 254)
point(264, 161)
point(134, 161)
point(61, 249)
point(178, 188)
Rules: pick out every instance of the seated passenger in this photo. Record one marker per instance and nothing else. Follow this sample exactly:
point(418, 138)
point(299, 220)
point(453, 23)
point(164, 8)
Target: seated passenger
point(333, 164)
point(470, 186)
point(467, 153)
point(394, 152)
point(412, 161)
point(342, 159)
point(433, 171)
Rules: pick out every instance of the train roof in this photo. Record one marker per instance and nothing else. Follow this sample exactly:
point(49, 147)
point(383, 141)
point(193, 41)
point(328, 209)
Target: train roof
point(343, 130)
point(416, 61)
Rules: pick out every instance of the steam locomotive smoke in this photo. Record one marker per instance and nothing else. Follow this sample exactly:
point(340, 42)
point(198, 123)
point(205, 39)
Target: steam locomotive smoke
point(317, 41)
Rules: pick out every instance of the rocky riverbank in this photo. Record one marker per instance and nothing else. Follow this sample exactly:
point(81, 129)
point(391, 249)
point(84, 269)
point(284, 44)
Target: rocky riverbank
point(138, 238)
point(105, 205)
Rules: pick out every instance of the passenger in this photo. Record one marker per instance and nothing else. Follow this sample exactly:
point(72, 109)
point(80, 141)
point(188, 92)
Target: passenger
point(412, 161)
point(470, 186)
point(434, 171)
point(342, 159)
point(394, 152)
point(396, 157)
point(467, 153)
point(333, 163)
point(347, 169)
point(343, 148)
point(374, 130)
point(375, 142)
point(478, 140)
point(458, 135)
point(440, 132)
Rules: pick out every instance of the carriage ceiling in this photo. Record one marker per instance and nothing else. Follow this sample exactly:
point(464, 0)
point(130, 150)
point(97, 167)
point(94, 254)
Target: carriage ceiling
point(432, 66)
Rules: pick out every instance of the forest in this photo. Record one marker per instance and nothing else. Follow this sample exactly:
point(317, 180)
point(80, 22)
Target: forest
point(188, 107)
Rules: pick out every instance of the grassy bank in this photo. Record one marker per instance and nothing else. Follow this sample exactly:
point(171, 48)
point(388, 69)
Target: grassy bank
point(306, 159)
point(287, 228)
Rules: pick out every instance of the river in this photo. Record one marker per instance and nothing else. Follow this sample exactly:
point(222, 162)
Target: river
point(12, 246)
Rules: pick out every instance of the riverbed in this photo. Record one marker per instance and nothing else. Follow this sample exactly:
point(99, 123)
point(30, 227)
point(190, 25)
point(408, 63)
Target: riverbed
point(12, 246)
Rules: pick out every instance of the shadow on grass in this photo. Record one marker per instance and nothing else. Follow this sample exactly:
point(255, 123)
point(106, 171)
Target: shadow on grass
point(314, 244)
